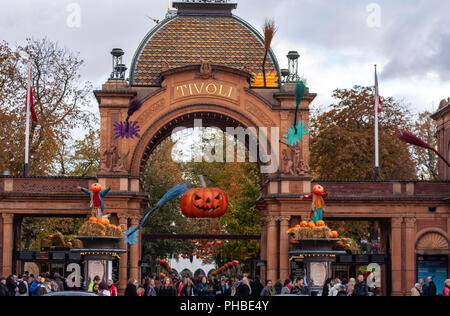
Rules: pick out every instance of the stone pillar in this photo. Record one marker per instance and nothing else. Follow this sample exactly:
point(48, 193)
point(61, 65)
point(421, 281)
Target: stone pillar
point(135, 251)
point(8, 240)
point(272, 262)
point(284, 247)
point(123, 268)
point(263, 270)
point(410, 259)
point(396, 256)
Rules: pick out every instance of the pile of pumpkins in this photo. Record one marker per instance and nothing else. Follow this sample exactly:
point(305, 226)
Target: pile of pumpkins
point(58, 240)
point(226, 267)
point(310, 230)
point(100, 227)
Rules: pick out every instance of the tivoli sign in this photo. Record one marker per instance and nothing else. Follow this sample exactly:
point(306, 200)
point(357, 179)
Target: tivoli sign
point(205, 88)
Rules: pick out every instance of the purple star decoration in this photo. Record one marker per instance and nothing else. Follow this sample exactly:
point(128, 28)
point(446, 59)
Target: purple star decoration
point(121, 130)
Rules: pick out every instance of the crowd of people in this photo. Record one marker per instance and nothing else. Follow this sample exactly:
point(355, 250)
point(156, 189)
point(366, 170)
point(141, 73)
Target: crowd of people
point(428, 288)
point(29, 285)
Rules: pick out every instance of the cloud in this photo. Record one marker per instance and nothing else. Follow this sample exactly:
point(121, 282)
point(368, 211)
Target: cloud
point(338, 48)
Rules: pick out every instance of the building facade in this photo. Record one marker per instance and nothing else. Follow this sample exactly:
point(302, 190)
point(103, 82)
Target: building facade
point(202, 63)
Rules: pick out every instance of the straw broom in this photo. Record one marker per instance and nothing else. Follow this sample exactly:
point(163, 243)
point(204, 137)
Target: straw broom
point(269, 33)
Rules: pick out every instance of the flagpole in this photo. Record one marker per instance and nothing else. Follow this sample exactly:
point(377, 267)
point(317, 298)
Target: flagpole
point(377, 149)
point(27, 130)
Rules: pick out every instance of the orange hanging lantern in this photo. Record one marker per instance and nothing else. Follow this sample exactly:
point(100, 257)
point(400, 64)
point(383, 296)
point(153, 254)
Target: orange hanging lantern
point(204, 203)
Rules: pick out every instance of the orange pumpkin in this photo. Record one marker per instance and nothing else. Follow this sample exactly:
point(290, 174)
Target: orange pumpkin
point(204, 203)
point(103, 221)
point(103, 234)
point(334, 234)
point(219, 243)
point(69, 244)
point(304, 224)
point(320, 224)
point(311, 225)
point(93, 219)
point(347, 246)
point(318, 189)
point(344, 239)
point(106, 221)
point(96, 187)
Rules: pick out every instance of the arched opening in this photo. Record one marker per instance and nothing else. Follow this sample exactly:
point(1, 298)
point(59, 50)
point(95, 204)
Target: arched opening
point(158, 173)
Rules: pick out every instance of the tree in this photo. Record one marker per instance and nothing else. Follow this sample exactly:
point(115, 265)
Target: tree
point(85, 159)
point(426, 160)
point(342, 139)
point(60, 100)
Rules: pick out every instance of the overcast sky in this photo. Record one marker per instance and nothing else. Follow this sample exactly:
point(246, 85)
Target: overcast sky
point(339, 40)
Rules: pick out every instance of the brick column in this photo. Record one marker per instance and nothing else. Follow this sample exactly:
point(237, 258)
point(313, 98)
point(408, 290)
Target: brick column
point(284, 247)
point(134, 251)
point(123, 268)
point(396, 256)
point(410, 259)
point(263, 270)
point(8, 240)
point(272, 262)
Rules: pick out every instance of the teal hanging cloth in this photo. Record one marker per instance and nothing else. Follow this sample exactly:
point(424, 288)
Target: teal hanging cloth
point(297, 131)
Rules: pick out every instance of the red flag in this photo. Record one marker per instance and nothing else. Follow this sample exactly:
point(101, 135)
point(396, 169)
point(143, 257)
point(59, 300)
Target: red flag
point(377, 105)
point(30, 94)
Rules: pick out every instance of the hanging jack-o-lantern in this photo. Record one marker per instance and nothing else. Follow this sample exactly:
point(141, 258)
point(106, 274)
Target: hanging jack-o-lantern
point(204, 203)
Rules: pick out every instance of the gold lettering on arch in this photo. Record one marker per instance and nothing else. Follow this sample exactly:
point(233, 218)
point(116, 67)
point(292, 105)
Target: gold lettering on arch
point(206, 89)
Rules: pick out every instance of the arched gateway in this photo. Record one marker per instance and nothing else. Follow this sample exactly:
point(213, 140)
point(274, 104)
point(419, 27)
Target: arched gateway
point(200, 63)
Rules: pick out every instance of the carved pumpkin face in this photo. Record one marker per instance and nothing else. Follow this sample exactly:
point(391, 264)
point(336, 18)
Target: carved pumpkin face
point(204, 203)
point(96, 187)
point(318, 189)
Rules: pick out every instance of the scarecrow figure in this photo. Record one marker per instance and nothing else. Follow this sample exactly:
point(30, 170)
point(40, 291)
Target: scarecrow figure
point(97, 196)
point(318, 204)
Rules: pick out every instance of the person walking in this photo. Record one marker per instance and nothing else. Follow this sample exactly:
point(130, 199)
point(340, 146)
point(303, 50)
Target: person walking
point(112, 288)
point(59, 282)
point(151, 290)
point(446, 291)
point(268, 290)
point(189, 289)
point(22, 287)
point(223, 289)
point(327, 287)
point(103, 289)
point(351, 287)
point(287, 287)
point(278, 287)
point(11, 284)
point(204, 288)
point(300, 288)
point(244, 289)
point(257, 287)
point(415, 291)
point(96, 280)
point(431, 288)
point(167, 289)
point(3, 288)
point(361, 288)
point(36, 285)
point(423, 286)
point(131, 289)
point(45, 287)
point(335, 289)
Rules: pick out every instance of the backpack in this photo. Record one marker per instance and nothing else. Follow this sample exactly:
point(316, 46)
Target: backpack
point(22, 287)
